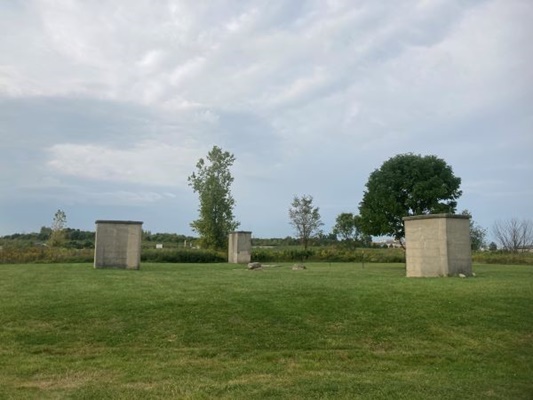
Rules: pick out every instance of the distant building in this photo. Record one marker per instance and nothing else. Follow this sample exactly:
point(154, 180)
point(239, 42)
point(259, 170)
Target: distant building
point(390, 243)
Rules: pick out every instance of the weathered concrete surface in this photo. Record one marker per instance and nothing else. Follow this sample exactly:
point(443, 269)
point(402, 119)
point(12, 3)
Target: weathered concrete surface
point(438, 245)
point(240, 247)
point(118, 244)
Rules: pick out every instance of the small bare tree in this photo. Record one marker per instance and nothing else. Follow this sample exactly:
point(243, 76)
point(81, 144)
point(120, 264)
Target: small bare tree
point(514, 234)
point(305, 218)
point(57, 237)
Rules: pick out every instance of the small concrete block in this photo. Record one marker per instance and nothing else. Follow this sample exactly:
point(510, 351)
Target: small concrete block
point(437, 245)
point(118, 244)
point(239, 247)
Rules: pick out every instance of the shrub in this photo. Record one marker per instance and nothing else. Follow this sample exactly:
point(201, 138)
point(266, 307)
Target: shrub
point(19, 255)
point(503, 257)
point(329, 254)
point(183, 256)
point(287, 255)
point(43, 254)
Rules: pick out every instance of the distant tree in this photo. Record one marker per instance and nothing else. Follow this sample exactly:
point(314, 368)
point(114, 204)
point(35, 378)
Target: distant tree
point(514, 234)
point(404, 185)
point(348, 229)
point(59, 223)
point(493, 246)
point(45, 233)
point(146, 235)
point(212, 181)
point(477, 233)
point(78, 235)
point(345, 227)
point(326, 239)
point(305, 218)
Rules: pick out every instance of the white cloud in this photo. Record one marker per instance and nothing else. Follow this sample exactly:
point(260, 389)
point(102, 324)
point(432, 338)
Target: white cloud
point(146, 163)
point(122, 197)
point(183, 55)
point(332, 88)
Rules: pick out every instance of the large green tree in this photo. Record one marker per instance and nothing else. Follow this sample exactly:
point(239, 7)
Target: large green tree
point(404, 185)
point(212, 181)
point(305, 218)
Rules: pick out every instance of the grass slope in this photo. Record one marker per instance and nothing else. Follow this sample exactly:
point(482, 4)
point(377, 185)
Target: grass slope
point(221, 331)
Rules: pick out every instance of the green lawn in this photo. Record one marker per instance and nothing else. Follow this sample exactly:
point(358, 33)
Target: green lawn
point(219, 331)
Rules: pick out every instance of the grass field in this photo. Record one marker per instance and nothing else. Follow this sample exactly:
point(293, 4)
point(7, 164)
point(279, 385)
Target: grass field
point(219, 331)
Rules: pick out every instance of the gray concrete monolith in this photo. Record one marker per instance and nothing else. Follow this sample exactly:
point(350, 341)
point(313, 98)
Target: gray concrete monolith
point(240, 247)
point(118, 244)
point(438, 245)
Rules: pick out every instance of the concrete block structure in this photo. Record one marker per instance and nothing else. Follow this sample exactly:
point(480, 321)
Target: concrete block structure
point(240, 247)
point(118, 244)
point(438, 245)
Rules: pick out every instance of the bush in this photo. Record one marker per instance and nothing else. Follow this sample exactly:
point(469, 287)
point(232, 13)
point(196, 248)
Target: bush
point(20, 255)
point(43, 254)
point(287, 255)
point(503, 257)
point(183, 256)
point(329, 254)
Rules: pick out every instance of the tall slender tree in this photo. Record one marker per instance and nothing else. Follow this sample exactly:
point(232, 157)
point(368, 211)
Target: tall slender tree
point(59, 223)
point(212, 181)
point(305, 218)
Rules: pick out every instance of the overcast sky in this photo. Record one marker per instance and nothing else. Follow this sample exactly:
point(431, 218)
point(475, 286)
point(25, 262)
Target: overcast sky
point(106, 106)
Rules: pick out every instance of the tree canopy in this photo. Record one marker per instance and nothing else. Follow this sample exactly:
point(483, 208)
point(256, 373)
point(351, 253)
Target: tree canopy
point(348, 229)
point(407, 184)
point(212, 181)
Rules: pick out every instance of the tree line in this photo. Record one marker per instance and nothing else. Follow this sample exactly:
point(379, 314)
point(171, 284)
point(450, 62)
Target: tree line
point(404, 185)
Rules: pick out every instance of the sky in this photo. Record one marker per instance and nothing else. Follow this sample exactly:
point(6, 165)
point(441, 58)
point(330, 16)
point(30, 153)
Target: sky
point(106, 106)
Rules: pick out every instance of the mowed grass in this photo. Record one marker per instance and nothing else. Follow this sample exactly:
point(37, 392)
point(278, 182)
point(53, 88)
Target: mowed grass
point(219, 331)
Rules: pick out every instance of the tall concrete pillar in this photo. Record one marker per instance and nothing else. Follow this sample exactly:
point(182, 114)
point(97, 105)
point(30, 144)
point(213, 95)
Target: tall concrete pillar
point(118, 244)
point(437, 245)
point(240, 247)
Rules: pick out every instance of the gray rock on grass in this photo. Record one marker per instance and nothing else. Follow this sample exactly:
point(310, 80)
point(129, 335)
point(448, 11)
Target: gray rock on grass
point(254, 265)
